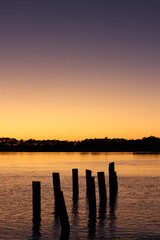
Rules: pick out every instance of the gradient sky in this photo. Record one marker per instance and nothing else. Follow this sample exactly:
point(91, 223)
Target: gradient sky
point(79, 69)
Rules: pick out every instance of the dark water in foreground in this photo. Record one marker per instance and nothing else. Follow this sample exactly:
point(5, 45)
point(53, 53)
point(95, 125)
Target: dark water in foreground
point(137, 213)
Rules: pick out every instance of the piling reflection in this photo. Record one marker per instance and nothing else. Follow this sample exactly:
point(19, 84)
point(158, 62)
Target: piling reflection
point(64, 235)
point(102, 214)
point(75, 219)
point(112, 214)
point(113, 204)
point(102, 211)
point(36, 234)
point(75, 210)
point(91, 228)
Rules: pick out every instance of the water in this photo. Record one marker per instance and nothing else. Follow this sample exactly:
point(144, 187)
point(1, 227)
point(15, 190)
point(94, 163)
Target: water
point(136, 215)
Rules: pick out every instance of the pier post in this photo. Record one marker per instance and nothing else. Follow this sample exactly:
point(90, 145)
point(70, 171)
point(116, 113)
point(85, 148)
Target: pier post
point(36, 201)
point(113, 183)
point(75, 185)
point(62, 213)
point(57, 189)
point(102, 188)
point(92, 198)
point(88, 178)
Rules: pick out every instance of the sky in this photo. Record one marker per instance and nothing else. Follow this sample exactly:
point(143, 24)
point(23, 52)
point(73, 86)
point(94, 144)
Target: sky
point(71, 70)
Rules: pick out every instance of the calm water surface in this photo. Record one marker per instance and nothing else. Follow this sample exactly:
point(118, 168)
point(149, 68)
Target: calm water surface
point(136, 215)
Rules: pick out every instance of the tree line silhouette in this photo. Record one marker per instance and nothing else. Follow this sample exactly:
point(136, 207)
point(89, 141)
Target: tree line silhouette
point(146, 144)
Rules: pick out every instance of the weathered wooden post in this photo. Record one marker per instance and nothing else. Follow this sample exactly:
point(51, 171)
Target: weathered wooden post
point(92, 206)
point(113, 183)
point(92, 198)
point(60, 207)
point(102, 188)
point(116, 181)
point(57, 189)
point(36, 201)
point(88, 177)
point(56, 183)
point(75, 185)
point(62, 213)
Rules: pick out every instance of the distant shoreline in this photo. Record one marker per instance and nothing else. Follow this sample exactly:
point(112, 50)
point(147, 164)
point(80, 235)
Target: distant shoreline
point(147, 145)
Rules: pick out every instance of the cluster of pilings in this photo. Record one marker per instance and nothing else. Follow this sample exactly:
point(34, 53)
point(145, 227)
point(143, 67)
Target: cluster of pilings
point(60, 206)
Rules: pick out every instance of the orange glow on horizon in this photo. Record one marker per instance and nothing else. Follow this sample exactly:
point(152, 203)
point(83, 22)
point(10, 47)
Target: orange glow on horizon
point(77, 112)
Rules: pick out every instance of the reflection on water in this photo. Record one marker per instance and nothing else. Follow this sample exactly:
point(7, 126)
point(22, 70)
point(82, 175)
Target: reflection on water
point(112, 206)
point(102, 212)
point(91, 228)
point(64, 235)
point(36, 230)
point(133, 214)
point(112, 215)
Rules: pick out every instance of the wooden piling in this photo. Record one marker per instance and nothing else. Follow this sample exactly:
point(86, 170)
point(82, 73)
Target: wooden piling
point(92, 198)
point(62, 213)
point(88, 177)
point(75, 185)
point(111, 178)
point(116, 181)
point(102, 188)
point(113, 183)
point(56, 183)
point(36, 201)
point(57, 189)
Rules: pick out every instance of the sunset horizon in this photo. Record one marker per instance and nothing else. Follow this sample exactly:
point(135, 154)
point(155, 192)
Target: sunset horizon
point(77, 139)
point(78, 70)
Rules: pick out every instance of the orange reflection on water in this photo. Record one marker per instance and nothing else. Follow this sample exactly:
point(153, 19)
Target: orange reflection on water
point(127, 164)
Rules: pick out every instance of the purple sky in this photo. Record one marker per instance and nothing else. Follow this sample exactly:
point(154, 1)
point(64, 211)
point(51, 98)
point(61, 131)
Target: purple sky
point(76, 69)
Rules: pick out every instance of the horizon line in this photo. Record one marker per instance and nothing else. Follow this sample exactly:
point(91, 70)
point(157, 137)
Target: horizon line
point(53, 139)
